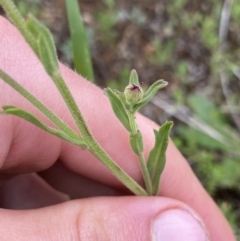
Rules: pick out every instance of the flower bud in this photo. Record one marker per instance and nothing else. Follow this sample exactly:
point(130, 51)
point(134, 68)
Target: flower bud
point(133, 93)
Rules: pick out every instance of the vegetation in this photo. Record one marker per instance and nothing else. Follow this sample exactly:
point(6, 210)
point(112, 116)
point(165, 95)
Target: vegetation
point(193, 46)
point(124, 104)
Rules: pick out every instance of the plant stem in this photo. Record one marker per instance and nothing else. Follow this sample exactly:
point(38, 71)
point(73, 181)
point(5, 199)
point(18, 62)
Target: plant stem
point(73, 107)
point(132, 122)
point(143, 165)
point(145, 173)
point(100, 154)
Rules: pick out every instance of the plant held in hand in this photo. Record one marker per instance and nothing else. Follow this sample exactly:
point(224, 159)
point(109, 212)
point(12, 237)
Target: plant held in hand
point(125, 105)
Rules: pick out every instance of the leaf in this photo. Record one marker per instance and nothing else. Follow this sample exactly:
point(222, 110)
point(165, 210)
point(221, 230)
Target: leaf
point(157, 157)
point(133, 79)
point(152, 90)
point(149, 94)
point(46, 48)
point(81, 56)
point(47, 58)
point(35, 121)
point(207, 111)
point(118, 108)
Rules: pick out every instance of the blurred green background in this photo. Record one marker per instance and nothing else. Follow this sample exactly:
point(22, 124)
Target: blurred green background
point(195, 46)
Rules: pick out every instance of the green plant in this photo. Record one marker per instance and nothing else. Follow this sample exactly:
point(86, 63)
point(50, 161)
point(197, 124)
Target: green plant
point(231, 215)
point(28, 6)
point(216, 161)
point(121, 80)
point(163, 52)
point(106, 20)
point(81, 55)
point(124, 105)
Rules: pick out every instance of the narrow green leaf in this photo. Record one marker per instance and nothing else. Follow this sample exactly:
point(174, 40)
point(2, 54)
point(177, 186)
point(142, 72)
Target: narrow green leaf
point(35, 121)
point(118, 107)
point(32, 25)
point(133, 79)
point(149, 94)
point(47, 58)
point(46, 48)
point(82, 59)
point(152, 90)
point(33, 29)
point(157, 157)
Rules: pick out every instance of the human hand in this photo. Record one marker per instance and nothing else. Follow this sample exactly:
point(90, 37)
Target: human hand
point(183, 211)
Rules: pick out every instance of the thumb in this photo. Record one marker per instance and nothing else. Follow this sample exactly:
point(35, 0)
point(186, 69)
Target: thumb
point(121, 218)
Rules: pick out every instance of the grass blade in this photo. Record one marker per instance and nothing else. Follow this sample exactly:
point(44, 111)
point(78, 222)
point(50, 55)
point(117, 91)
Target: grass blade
point(81, 56)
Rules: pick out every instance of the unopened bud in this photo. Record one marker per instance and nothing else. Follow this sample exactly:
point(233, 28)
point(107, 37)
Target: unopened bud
point(133, 93)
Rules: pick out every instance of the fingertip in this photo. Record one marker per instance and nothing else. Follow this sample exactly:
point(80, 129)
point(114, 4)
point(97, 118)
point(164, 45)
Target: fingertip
point(178, 224)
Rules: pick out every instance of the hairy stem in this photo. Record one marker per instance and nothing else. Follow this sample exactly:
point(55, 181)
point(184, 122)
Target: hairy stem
point(146, 176)
point(100, 154)
point(73, 107)
point(143, 165)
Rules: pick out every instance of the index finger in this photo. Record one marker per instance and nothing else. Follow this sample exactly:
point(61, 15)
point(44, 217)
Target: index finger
point(37, 150)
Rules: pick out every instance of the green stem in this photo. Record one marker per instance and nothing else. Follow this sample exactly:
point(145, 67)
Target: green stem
point(132, 122)
point(73, 108)
point(14, 15)
point(121, 175)
point(145, 173)
point(143, 165)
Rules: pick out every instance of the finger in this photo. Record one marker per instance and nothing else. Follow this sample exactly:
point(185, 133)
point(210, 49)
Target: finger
point(25, 142)
point(126, 218)
point(75, 185)
point(28, 191)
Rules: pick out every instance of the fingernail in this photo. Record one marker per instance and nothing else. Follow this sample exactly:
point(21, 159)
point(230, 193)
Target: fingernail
point(178, 224)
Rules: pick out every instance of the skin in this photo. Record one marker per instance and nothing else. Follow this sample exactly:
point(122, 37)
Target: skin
point(75, 173)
